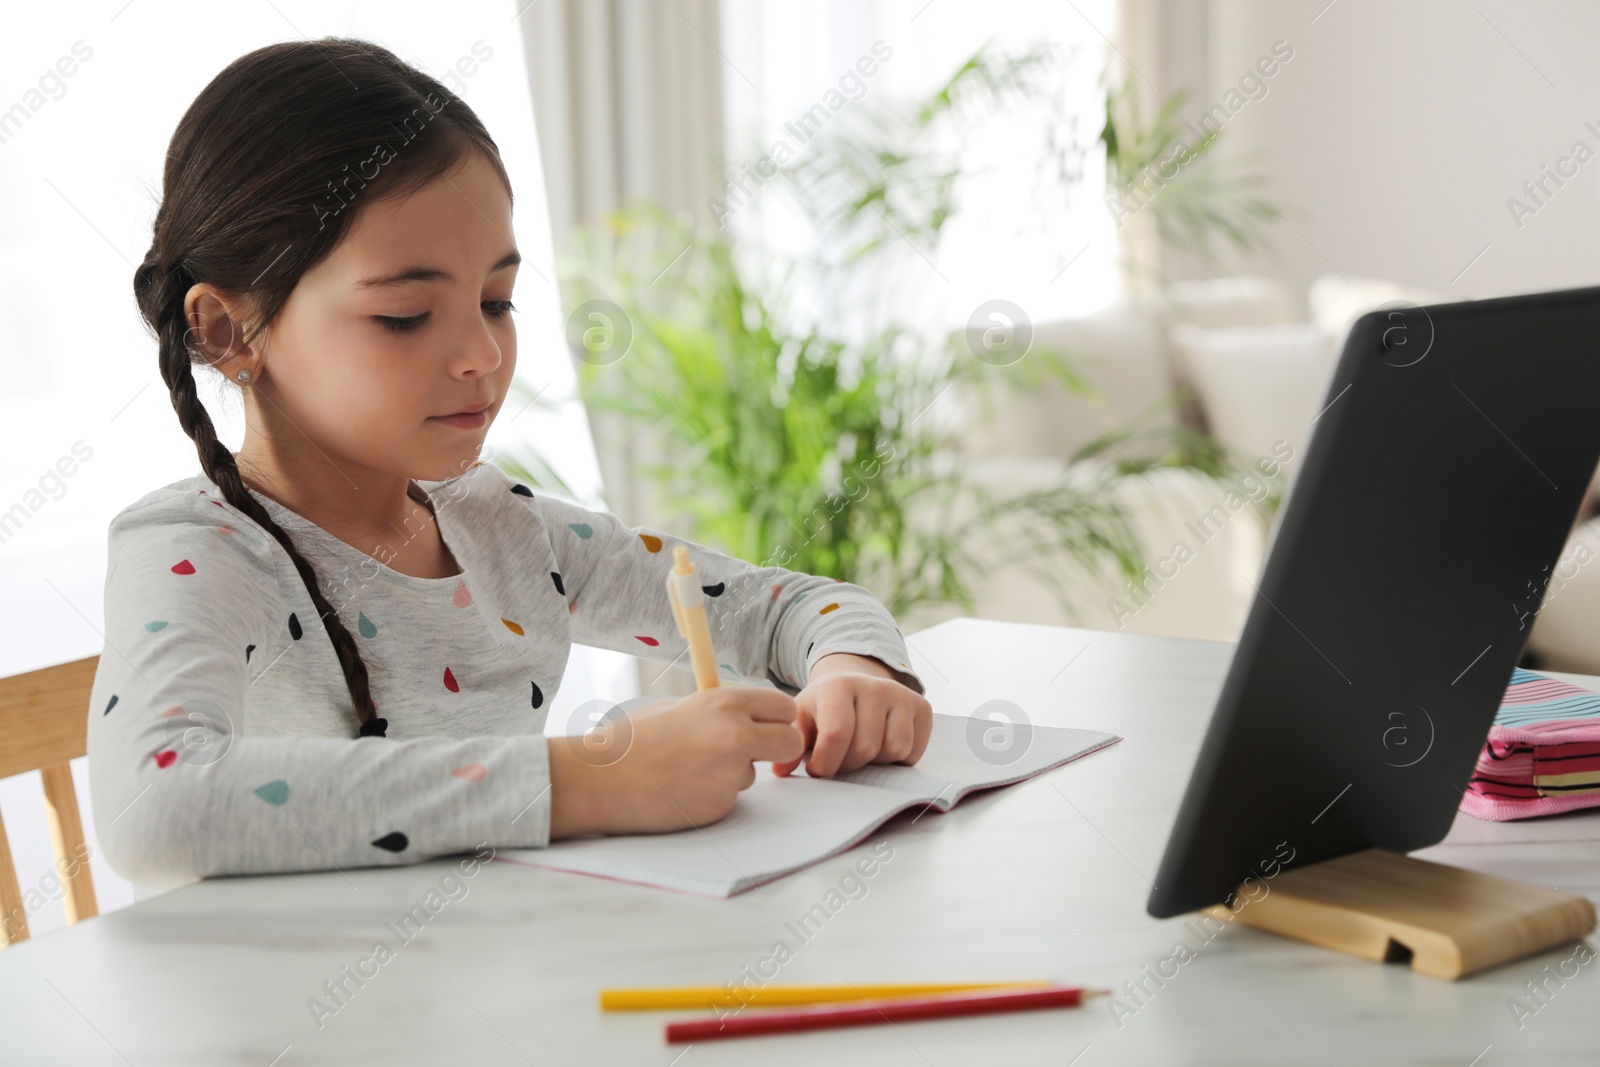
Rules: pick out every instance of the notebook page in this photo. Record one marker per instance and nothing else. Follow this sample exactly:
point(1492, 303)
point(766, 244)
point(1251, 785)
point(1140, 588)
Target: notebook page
point(778, 825)
point(956, 762)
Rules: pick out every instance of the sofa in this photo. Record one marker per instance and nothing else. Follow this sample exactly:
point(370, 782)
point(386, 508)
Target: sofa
point(1254, 372)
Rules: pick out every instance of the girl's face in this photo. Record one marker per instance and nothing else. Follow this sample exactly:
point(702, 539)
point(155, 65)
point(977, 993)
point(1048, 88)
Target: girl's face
point(407, 320)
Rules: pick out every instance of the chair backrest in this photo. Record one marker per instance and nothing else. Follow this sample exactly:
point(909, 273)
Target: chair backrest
point(44, 724)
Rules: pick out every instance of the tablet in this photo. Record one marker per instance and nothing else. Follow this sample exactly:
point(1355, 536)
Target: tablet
point(1444, 471)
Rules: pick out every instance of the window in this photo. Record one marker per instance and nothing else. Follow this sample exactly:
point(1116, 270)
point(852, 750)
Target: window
point(81, 161)
point(1053, 260)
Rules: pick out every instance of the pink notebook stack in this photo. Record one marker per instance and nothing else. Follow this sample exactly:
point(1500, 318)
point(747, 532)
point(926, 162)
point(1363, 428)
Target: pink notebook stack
point(1543, 752)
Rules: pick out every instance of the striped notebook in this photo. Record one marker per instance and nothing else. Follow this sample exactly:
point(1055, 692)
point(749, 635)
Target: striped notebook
point(1543, 752)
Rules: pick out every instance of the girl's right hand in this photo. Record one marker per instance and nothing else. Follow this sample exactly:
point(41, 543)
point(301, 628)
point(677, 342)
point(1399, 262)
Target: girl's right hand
point(670, 765)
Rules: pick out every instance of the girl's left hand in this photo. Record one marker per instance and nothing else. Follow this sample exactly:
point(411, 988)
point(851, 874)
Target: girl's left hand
point(853, 712)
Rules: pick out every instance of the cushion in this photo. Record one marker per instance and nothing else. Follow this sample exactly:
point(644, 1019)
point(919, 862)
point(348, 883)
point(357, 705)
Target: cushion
point(1217, 303)
point(1246, 300)
point(1121, 351)
point(1335, 301)
point(1259, 387)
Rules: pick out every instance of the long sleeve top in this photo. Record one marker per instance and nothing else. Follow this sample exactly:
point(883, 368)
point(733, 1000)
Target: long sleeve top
point(221, 734)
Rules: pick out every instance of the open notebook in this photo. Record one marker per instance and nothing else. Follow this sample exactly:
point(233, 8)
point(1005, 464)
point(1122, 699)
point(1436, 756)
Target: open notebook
point(780, 825)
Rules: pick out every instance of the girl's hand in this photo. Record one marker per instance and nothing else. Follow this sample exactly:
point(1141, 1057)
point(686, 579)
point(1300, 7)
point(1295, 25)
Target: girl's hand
point(853, 712)
point(670, 765)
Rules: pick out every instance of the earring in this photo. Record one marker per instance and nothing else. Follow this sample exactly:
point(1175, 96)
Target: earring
point(244, 376)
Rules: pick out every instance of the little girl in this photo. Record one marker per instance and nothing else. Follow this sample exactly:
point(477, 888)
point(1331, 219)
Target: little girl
point(338, 647)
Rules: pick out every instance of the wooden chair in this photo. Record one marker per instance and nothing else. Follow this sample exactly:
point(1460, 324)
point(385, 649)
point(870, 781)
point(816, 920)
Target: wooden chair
point(43, 724)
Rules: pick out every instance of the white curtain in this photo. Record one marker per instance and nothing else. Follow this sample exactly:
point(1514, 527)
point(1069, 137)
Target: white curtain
point(628, 99)
point(1165, 47)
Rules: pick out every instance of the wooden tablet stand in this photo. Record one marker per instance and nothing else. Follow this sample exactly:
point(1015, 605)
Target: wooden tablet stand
point(1388, 907)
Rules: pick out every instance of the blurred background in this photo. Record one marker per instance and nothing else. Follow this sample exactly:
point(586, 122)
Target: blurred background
point(1020, 309)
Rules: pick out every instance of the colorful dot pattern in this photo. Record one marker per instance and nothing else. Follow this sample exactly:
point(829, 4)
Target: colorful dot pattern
point(466, 676)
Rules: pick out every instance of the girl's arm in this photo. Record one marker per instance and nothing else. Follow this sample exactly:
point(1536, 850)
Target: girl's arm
point(767, 623)
point(181, 791)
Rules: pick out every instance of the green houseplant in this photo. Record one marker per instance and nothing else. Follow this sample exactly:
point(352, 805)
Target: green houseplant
point(1209, 205)
point(791, 439)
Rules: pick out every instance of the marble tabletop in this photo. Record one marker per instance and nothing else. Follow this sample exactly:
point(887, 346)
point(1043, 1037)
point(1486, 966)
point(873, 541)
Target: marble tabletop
point(501, 964)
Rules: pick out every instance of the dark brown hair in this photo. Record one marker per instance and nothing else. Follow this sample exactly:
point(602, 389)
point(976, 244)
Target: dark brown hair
point(265, 174)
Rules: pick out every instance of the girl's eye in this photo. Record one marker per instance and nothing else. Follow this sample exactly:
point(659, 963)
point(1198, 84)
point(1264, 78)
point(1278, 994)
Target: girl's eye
point(401, 324)
point(496, 308)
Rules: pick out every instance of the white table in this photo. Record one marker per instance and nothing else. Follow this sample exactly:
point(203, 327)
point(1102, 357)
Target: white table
point(1044, 879)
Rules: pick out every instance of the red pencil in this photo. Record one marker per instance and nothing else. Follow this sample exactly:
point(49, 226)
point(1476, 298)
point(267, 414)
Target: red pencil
point(898, 1009)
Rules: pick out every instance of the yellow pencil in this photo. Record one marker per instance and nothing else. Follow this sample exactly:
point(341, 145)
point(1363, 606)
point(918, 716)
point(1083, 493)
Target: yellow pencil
point(689, 607)
point(647, 999)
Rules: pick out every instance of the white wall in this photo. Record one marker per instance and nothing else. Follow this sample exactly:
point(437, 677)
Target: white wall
point(1397, 132)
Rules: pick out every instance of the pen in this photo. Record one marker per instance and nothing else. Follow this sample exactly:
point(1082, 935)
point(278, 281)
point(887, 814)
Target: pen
point(652, 999)
point(876, 1011)
point(689, 607)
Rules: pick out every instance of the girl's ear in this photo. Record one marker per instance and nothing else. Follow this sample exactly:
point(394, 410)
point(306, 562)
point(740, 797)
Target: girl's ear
point(215, 332)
